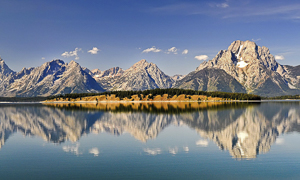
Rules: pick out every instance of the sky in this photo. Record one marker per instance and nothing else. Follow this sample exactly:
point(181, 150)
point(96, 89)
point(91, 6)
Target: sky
point(177, 35)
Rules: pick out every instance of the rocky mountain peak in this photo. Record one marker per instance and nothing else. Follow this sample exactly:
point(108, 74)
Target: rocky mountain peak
point(110, 73)
point(115, 71)
point(236, 45)
point(50, 67)
point(142, 61)
point(141, 64)
point(141, 76)
point(247, 53)
point(73, 63)
point(53, 63)
point(251, 65)
point(57, 61)
point(4, 69)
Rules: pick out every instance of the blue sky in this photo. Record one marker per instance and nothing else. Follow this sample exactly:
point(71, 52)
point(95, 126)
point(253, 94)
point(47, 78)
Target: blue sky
point(126, 31)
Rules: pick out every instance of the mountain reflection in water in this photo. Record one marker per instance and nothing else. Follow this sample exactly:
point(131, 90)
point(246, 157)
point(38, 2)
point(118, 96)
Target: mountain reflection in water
point(243, 129)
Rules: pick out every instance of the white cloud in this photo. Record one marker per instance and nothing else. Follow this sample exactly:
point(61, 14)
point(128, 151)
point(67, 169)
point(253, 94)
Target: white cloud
point(152, 49)
point(202, 143)
point(286, 11)
point(71, 53)
point(201, 57)
point(72, 149)
point(94, 151)
point(43, 58)
point(67, 54)
point(185, 51)
point(94, 50)
point(223, 5)
point(254, 40)
point(172, 50)
point(241, 10)
point(279, 57)
point(153, 152)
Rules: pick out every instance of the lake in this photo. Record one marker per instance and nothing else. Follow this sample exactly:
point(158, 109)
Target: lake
point(221, 140)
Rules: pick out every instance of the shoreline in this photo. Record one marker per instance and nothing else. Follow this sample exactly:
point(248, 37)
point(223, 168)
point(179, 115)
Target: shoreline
point(144, 101)
point(39, 102)
point(105, 102)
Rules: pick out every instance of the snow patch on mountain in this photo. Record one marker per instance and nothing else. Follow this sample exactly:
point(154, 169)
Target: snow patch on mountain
point(291, 86)
point(238, 55)
point(241, 64)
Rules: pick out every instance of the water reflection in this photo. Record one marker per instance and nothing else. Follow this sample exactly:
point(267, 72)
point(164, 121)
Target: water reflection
point(94, 151)
point(243, 129)
point(153, 152)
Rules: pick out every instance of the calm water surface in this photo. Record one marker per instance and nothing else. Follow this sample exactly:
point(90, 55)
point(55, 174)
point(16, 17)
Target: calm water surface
point(150, 141)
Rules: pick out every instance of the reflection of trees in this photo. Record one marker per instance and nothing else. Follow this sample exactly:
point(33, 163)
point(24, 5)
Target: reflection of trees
point(152, 107)
point(245, 130)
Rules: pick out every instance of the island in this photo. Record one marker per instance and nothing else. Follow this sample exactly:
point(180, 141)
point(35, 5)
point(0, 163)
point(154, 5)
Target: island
point(153, 95)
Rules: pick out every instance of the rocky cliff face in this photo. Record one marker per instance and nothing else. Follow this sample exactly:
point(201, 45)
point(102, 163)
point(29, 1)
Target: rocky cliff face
point(254, 68)
point(108, 77)
point(292, 76)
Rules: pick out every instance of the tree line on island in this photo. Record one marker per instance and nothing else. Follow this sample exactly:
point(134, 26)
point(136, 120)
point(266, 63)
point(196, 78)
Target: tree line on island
point(151, 94)
point(23, 99)
point(154, 92)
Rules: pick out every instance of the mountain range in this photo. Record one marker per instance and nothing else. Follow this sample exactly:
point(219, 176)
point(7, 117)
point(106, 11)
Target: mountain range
point(244, 67)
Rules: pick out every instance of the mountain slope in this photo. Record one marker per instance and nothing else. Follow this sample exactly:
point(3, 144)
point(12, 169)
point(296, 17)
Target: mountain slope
point(141, 76)
point(5, 75)
point(108, 77)
point(292, 76)
point(210, 79)
point(177, 77)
